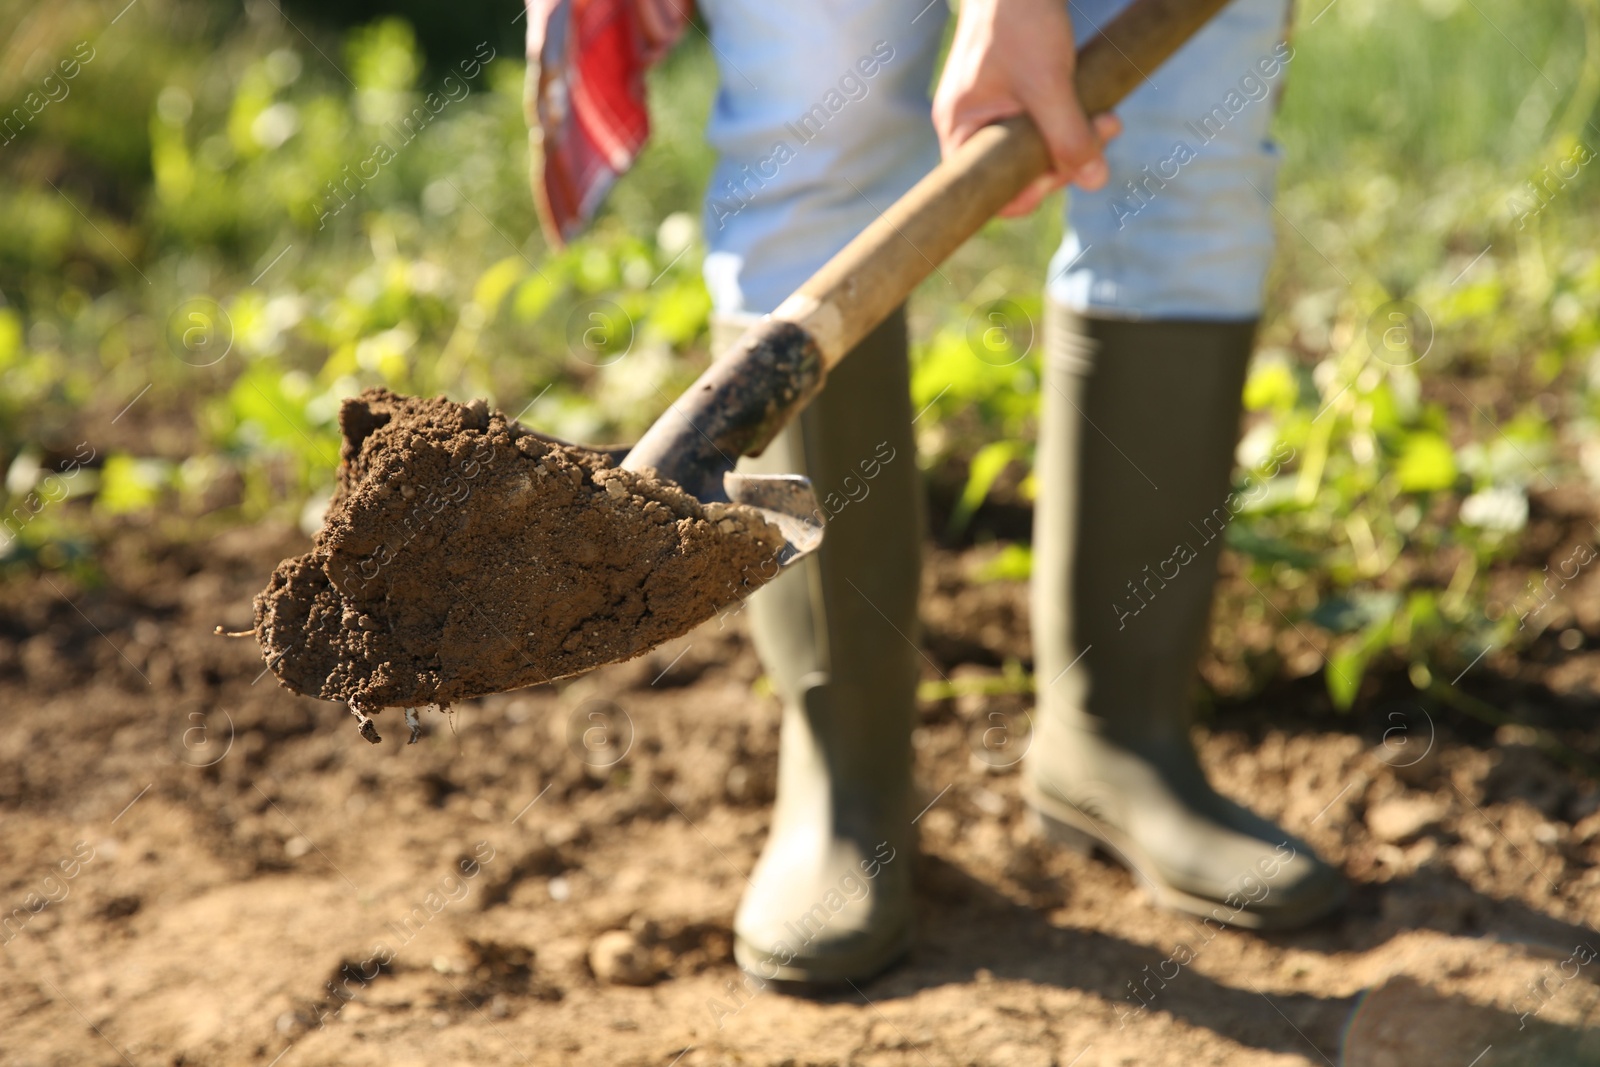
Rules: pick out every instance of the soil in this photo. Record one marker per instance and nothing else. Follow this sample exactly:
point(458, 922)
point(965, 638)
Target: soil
point(202, 869)
point(463, 555)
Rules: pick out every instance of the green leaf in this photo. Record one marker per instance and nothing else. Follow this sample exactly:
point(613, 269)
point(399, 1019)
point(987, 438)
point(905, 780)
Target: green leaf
point(986, 466)
point(384, 55)
point(496, 282)
point(1271, 385)
point(10, 336)
point(129, 484)
point(1346, 668)
point(269, 408)
point(1348, 664)
point(533, 296)
point(680, 313)
point(1241, 538)
point(1014, 563)
point(1349, 612)
point(1427, 463)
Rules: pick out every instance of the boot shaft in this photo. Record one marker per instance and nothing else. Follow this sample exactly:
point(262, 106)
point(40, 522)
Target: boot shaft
point(1139, 424)
point(836, 631)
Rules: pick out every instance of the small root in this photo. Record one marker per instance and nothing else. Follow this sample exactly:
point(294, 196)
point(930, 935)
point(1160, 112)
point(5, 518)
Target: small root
point(220, 632)
point(416, 727)
point(367, 728)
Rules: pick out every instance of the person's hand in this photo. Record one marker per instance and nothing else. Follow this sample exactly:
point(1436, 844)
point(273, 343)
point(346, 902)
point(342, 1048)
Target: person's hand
point(1012, 57)
point(661, 23)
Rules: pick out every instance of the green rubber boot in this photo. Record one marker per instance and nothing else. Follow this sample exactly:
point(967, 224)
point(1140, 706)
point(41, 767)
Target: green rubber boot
point(830, 898)
point(1136, 446)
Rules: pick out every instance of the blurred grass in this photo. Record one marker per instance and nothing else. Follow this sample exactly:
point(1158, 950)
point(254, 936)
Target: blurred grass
point(175, 300)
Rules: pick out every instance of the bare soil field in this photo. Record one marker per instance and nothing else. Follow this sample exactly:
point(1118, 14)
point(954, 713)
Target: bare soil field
point(197, 867)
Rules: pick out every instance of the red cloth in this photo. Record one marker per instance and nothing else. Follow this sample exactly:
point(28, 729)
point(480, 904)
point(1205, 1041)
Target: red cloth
point(585, 104)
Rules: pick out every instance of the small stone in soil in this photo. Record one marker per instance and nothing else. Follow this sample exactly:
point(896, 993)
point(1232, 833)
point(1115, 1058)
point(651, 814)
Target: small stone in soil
point(617, 957)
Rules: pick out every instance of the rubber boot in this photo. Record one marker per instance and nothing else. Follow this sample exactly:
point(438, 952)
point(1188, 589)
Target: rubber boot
point(1140, 422)
point(830, 898)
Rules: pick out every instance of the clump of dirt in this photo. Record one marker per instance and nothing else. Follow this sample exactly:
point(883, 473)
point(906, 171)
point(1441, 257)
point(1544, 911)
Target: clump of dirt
point(463, 555)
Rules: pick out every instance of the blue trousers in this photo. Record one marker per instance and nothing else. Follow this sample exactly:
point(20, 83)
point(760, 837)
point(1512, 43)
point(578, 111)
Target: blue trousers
point(822, 120)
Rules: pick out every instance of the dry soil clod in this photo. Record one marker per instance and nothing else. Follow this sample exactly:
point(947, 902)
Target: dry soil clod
point(463, 554)
point(366, 727)
point(618, 958)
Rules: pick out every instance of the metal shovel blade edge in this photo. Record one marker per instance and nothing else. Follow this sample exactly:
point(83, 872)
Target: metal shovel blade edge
point(788, 502)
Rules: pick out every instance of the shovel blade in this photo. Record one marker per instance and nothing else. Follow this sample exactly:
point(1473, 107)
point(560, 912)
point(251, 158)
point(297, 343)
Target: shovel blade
point(785, 500)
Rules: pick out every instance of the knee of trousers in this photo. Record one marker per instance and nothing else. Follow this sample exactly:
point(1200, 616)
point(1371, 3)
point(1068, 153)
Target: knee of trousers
point(821, 120)
point(1184, 227)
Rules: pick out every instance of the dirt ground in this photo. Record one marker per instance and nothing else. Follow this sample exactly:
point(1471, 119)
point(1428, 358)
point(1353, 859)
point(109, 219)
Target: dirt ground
point(199, 869)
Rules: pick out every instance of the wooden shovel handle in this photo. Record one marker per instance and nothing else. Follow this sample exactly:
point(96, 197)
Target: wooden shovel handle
point(873, 274)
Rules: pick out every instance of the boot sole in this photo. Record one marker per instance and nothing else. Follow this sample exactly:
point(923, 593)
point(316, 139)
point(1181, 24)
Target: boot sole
point(1067, 826)
point(801, 975)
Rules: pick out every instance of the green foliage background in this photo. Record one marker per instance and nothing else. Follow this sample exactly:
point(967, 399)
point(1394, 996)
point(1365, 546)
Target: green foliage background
point(175, 300)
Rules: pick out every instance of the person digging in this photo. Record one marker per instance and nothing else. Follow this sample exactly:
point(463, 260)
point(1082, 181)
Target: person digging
point(1146, 346)
point(458, 554)
point(1152, 303)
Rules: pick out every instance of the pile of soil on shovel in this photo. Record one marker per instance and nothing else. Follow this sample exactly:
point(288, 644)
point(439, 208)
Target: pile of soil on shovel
point(463, 555)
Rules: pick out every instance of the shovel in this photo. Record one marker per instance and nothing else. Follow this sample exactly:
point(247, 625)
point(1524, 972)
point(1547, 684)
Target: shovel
point(558, 560)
